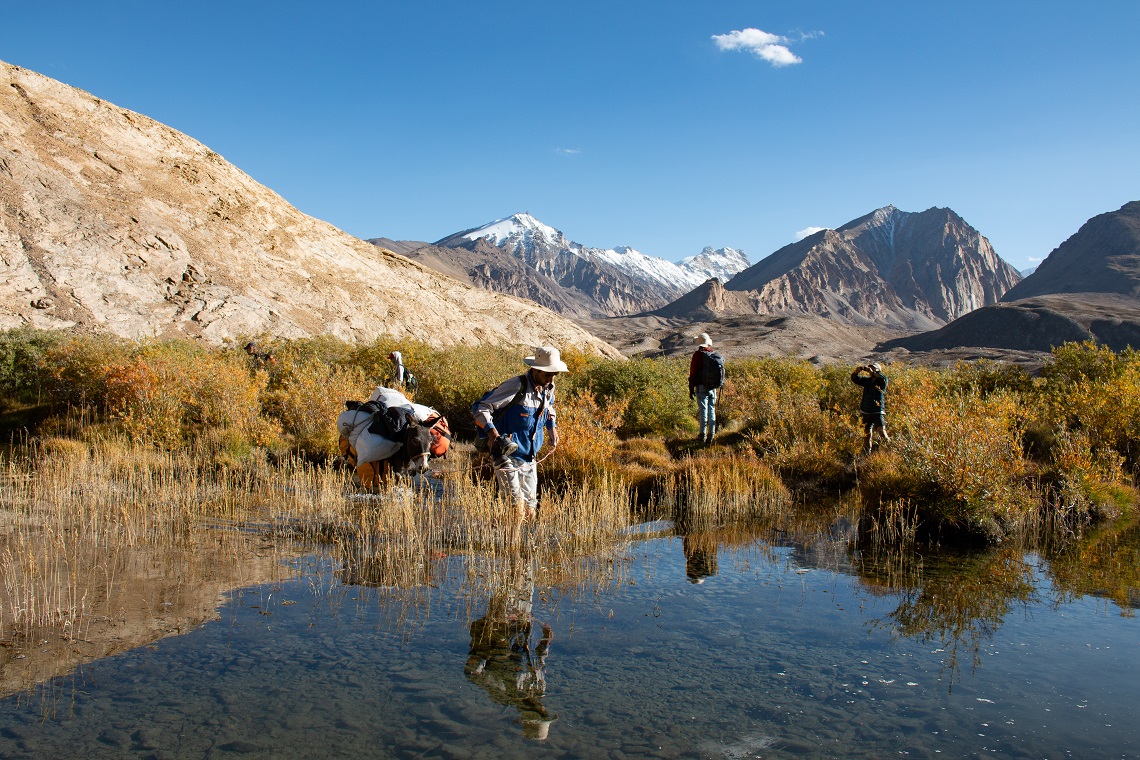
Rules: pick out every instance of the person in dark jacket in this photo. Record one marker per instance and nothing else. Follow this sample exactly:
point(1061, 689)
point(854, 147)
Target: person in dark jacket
point(706, 397)
point(261, 359)
point(873, 405)
point(515, 417)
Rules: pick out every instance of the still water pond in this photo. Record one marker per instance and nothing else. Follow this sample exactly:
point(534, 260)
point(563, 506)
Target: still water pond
point(688, 648)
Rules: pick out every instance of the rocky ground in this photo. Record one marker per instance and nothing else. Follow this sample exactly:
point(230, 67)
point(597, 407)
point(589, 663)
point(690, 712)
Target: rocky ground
point(816, 339)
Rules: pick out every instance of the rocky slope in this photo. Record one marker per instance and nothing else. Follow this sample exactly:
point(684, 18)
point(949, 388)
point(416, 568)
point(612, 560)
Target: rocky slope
point(1088, 288)
point(1103, 256)
point(1036, 324)
point(110, 221)
point(890, 268)
point(524, 257)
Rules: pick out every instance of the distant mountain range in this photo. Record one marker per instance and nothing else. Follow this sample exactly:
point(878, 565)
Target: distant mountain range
point(522, 256)
point(111, 222)
point(890, 268)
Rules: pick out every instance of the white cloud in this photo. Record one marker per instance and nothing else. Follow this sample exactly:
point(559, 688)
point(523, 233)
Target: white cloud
point(808, 232)
point(764, 45)
point(1034, 259)
point(569, 151)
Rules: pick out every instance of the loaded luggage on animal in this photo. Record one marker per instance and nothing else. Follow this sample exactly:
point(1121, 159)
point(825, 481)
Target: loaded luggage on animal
point(389, 435)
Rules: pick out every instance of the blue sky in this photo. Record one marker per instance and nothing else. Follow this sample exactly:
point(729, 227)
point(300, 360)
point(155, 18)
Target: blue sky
point(641, 123)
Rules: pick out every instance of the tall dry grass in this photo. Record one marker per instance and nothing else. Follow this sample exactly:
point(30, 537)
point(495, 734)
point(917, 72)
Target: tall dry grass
point(74, 510)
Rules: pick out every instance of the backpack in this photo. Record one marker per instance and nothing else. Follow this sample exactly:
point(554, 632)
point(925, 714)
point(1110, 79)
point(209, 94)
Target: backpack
point(711, 375)
point(390, 422)
point(411, 383)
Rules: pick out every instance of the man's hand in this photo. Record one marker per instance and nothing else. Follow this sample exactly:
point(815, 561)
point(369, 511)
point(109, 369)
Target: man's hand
point(553, 439)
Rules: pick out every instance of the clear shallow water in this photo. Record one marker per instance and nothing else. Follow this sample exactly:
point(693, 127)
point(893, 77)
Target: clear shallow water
point(772, 655)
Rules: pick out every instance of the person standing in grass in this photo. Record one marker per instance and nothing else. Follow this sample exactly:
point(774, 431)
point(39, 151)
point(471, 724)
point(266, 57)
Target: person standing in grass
point(873, 405)
point(401, 377)
point(513, 419)
point(706, 375)
point(261, 359)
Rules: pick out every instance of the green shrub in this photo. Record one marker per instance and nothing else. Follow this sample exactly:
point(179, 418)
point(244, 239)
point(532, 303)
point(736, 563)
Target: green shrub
point(23, 363)
point(655, 393)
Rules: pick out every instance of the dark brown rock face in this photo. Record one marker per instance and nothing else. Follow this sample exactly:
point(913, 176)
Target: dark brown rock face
point(1037, 324)
point(706, 303)
point(890, 268)
point(1102, 257)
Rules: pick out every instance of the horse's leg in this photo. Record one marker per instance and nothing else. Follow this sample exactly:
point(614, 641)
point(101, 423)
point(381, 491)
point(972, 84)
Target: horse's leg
point(368, 475)
point(384, 476)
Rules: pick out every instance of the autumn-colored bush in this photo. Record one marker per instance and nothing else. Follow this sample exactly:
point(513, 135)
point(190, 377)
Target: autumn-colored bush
point(587, 439)
point(452, 379)
point(1090, 388)
point(783, 409)
point(978, 446)
point(964, 452)
point(306, 398)
point(1086, 483)
point(167, 393)
point(23, 364)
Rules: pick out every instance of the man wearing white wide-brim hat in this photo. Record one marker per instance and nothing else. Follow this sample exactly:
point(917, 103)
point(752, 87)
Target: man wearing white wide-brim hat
point(705, 379)
point(514, 418)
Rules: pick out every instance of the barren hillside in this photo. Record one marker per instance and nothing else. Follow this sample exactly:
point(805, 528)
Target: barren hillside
point(112, 222)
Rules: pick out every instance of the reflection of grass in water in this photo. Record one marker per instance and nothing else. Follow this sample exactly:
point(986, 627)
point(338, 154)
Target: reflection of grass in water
point(959, 600)
point(1105, 562)
point(72, 511)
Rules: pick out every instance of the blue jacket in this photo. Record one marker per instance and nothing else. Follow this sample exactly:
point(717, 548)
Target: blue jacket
point(525, 422)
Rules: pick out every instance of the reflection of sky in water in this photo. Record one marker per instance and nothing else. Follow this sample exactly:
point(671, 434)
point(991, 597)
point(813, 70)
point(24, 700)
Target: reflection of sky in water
point(761, 659)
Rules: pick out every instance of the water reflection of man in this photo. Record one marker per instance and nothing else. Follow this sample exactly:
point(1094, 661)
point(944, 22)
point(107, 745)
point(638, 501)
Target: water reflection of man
point(700, 556)
point(502, 660)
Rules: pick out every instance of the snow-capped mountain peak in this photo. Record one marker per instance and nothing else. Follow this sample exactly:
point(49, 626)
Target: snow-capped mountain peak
point(517, 227)
point(721, 263)
point(546, 250)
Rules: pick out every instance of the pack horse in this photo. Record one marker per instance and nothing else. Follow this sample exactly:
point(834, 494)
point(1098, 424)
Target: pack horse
point(389, 435)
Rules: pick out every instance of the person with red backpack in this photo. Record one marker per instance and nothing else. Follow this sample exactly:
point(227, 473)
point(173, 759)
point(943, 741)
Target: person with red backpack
point(706, 376)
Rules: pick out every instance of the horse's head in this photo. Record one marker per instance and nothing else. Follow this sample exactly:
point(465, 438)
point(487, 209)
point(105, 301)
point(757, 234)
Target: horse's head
point(416, 447)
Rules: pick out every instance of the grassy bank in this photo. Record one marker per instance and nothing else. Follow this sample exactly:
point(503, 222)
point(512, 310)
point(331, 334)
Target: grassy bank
point(977, 451)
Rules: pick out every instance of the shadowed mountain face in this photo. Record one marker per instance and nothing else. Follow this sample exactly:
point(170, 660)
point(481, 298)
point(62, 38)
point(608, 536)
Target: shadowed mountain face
point(890, 268)
point(1037, 324)
point(112, 222)
point(1087, 289)
point(1102, 257)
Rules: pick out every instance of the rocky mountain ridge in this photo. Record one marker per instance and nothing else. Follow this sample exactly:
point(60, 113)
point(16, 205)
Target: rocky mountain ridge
point(1103, 256)
point(891, 268)
point(112, 222)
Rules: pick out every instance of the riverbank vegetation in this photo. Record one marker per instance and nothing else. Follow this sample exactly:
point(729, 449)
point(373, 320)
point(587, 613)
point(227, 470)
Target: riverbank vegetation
point(977, 449)
point(120, 448)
